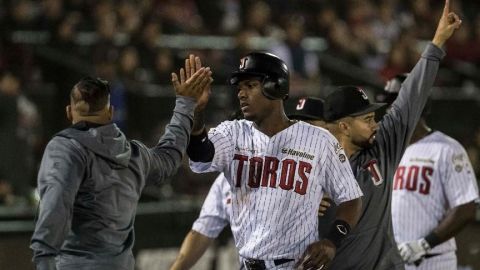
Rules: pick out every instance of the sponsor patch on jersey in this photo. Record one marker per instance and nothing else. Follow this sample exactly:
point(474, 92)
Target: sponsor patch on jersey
point(423, 160)
point(457, 160)
point(245, 149)
point(338, 148)
point(293, 152)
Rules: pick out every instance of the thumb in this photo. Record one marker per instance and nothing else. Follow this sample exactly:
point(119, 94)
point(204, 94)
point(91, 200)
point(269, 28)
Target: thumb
point(457, 24)
point(175, 82)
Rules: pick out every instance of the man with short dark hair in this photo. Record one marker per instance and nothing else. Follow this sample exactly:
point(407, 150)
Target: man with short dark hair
point(278, 170)
point(375, 149)
point(91, 178)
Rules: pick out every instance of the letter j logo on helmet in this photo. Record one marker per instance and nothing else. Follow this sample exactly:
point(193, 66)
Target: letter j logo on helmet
point(243, 63)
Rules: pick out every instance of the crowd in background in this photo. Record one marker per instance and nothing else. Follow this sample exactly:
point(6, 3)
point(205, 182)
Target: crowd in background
point(45, 46)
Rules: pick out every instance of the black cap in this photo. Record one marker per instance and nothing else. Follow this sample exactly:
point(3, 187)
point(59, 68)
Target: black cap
point(308, 108)
point(348, 101)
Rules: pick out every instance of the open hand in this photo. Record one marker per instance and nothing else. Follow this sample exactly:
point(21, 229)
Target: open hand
point(448, 23)
point(192, 64)
point(194, 85)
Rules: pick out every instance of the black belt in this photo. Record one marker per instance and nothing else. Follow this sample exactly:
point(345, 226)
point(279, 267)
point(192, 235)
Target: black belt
point(419, 261)
point(254, 264)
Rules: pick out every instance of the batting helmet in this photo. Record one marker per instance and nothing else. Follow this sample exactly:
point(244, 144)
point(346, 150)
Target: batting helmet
point(271, 69)
point(392, 88)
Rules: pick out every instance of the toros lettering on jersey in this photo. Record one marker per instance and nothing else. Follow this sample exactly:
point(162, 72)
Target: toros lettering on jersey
point(413, 178)
point(271, 172)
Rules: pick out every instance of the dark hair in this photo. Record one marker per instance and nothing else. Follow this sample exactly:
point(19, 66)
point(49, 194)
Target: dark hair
point(93, 91)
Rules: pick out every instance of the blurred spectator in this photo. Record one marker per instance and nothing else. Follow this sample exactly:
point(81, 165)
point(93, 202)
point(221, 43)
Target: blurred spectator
point(386, 26)
point(342, 43)
point(106, 68)
point(325, 19)
point(463, 46)
point(163, 67)
point(106, 29)
point(300, 62)
point(303, 65)
point(147, 42)
point(51, 13)
point(211, 13)
point(128, 18)
point(231, 16)
point(424, 19)
point(19, 136)
point(22, 15)
point(396, 63)
point(174, 14)
point(129, 69)
point(6, 194)
point(258, 19)
point(402, 56)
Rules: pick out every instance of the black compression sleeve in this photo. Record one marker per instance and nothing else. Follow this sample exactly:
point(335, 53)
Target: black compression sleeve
point(339, 230)
point(433, 239)
point(200, 148)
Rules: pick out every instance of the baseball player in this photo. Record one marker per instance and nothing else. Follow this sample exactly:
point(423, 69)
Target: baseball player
point(216, 209)
point(214, 217)
point(375, 149)
point(278, 170)
point(434, 193)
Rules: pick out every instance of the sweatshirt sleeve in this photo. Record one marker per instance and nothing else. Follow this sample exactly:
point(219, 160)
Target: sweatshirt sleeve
point(61, 172)
point(397, 126)
point(165, 158)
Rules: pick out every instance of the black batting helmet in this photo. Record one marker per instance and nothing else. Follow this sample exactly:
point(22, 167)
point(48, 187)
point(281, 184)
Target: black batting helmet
point(271, 69)
point(392, 88)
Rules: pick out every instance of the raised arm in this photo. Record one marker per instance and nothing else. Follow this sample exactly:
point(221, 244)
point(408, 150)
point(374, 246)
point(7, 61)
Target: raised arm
point(398, 125)
point(165, 158)
point(200, 148)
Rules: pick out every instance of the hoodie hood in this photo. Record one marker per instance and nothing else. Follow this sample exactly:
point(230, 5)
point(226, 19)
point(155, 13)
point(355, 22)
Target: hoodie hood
point(106, 141)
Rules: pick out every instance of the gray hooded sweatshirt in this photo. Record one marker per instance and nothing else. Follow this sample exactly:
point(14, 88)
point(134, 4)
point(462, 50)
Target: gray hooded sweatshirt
point(90, 180)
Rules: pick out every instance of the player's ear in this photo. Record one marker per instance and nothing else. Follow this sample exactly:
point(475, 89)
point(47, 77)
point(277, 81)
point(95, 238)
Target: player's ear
point(344, 127)
point(68, 111)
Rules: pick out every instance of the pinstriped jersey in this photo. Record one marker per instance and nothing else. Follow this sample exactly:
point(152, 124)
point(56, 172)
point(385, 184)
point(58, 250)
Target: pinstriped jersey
point(216, 209)
point(277, 183)
point(434, 176)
